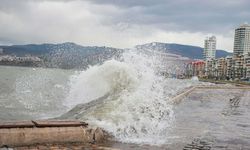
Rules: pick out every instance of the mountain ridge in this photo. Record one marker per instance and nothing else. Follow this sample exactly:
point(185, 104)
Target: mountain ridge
point(69, 55)
point(64, 55)
point(190, 51)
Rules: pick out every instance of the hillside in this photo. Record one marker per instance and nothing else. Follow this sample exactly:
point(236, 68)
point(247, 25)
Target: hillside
point(65, 55)
point(193, 52)
point(70, 55)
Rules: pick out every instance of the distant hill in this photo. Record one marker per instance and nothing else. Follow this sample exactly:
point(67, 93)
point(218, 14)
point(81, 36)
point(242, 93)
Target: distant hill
point(65, 55)
point(70, 55)
point(193, 52)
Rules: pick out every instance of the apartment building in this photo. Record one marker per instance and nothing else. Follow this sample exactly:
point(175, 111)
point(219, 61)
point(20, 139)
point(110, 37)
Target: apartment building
point(195, 68)
point(222, 68)
point(247, 65)
point(209, 48)
point(229, 67)
point(242, 40)
point(239, 71)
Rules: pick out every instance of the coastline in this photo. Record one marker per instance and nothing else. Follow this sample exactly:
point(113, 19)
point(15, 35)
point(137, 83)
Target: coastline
point(236, 83)
point(183, 98)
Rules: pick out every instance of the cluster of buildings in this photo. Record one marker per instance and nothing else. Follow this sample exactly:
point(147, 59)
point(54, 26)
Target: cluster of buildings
point(20, 61)
point(235, 67)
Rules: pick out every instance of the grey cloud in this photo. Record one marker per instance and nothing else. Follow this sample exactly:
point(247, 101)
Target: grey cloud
point(103, 21)
point(175, 15)
point(190, 15)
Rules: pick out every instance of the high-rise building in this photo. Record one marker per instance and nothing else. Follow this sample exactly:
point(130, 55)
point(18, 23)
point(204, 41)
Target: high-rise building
point(209, 48)
point(242, 40)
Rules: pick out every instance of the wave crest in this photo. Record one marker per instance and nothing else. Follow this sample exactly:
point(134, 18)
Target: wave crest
point(137, 108)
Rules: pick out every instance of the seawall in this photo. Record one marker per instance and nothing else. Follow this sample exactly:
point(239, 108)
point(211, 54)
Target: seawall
point(23, 133)
point(178, 98)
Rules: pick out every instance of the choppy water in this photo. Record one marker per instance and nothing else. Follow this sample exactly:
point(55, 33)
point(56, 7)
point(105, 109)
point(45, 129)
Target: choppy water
point(30, 93)
point(130, 99)
point(135, 108)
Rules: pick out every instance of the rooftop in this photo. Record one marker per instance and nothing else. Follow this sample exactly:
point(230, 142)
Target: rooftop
point(245, 25)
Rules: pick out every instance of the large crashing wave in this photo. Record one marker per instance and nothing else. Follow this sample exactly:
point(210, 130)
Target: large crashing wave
point(136, 107)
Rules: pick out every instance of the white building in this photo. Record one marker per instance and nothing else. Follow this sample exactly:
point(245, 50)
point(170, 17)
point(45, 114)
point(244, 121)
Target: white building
point(209, 48)
point(242, 40)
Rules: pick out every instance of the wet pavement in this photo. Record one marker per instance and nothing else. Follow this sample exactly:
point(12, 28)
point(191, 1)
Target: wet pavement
point(218, 118)
point(205, 119)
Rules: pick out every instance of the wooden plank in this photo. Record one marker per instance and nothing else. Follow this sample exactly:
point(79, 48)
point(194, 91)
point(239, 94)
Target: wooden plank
point(17, 124)
point(59, 123)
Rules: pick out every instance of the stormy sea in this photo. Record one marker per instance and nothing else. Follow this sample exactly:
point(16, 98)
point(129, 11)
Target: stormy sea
point(129, 97)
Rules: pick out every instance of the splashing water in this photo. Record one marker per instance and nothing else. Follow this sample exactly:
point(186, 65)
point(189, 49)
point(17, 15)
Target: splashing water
point(138, 107)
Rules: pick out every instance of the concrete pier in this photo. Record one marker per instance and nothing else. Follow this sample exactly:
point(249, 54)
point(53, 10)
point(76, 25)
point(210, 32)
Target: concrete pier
point(178, 98)
point(24, 133)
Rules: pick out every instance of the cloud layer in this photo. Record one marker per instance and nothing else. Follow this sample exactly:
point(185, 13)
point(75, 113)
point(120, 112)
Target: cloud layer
point(121, 23)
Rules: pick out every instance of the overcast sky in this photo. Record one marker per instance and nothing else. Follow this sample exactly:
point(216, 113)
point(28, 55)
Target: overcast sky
point(121, 23)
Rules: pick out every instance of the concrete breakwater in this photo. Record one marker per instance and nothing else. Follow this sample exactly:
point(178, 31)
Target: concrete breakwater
point(25, 133)
point(178, 98)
